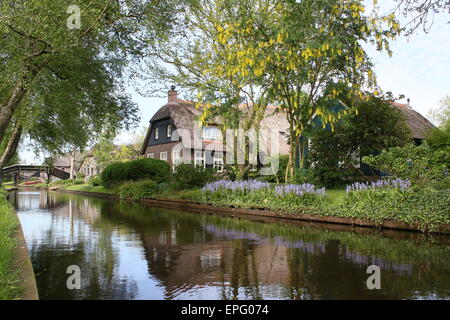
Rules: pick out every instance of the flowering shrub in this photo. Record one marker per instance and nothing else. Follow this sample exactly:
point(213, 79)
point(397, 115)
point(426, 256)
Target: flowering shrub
point(298, 189)
point(396, 183)
point(255, 193)
point(245, 185)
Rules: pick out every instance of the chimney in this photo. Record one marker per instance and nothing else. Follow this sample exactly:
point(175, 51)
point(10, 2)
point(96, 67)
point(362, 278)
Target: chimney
point(172, 94)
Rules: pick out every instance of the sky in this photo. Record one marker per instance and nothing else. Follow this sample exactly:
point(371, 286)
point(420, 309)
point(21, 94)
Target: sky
point(419, 69)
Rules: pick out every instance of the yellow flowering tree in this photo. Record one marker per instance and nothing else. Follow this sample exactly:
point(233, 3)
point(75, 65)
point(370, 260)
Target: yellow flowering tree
point(301, 56)
point(312, 57)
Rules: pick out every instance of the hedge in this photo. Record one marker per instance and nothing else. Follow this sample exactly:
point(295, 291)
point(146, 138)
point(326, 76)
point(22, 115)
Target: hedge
point(153, 169)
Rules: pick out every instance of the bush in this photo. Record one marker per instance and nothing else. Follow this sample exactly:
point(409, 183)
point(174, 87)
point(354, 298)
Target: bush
point(137, 190)
point(81, 175)
point(140, 169)
point(329, 177)
point(280, 174)
point(162, 187)
point(95, 181)
point(255, 193)
point(189, 176)
point(420, 164)
point(426, 206)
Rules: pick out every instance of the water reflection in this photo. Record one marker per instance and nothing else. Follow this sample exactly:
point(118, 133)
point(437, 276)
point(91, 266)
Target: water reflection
point(129, 251)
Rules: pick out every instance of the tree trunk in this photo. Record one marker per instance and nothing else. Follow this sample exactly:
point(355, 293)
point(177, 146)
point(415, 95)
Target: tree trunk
point(72, 164)
point(13, 143)
point(10, 105)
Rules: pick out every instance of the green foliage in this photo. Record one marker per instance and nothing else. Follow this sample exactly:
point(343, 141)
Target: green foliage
point(106, 152)
point(279, 176)
point(69, 82)
point(140, 169)
point(81, 175)
point(336, 153)
point(425, 206)
point(9, 285)
point(137, 189)
point(95, 181)
point(62, 183)
point(163, 187)
point(439, 138)
point(420, 164)
point(329, 176)
point(189, 176)
point(265, 198)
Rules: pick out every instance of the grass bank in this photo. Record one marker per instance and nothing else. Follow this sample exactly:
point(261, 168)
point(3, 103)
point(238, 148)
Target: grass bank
point(9, 283)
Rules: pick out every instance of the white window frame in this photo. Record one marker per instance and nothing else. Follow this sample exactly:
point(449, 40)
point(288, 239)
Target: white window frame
point(198, 158)
point(218, 161)
point(169, 130)
point(151, 155)
point(176, 158)
point(156, 133)
point(163, 155)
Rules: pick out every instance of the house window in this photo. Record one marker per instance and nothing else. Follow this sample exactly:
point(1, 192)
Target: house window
point(199, 159)
point(218, 162)
point(169, 130)
point(156, 134)
point(151, 155)
point(163, 156)
point(212, 133)
point(176, 158)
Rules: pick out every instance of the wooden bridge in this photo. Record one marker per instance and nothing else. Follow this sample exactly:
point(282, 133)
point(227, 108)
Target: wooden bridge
point(18, 170)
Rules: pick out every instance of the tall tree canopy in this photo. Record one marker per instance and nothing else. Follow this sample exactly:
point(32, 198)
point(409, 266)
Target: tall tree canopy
point(64, 85)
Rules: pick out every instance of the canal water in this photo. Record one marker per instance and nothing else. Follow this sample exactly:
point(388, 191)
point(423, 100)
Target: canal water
point(130, 251)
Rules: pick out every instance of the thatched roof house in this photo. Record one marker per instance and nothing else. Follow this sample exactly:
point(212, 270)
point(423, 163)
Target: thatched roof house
point(417, 123)
point(177, 121)
point(179, 117)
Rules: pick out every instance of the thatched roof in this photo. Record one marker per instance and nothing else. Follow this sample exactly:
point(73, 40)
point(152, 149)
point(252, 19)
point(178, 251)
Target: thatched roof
point(417, 123)
point(64, 160)
point(184, 113)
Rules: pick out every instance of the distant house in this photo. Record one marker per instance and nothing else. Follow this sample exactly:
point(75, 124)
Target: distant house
point(160, 142)
point(417, 123)
point(83, 162)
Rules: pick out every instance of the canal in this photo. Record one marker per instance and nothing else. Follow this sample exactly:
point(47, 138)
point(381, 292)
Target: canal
point(131, 251)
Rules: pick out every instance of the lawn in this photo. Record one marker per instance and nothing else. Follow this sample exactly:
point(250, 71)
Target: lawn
point(90, 188)
point(9, 287)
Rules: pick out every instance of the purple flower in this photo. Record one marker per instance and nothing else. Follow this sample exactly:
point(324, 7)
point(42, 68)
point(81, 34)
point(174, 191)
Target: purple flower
point(298, 189)
point(384, 183)
point(243, 186)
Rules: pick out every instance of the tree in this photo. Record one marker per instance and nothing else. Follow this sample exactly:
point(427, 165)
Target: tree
point(441, 115)
point(298, 55)
point(206, 60)
point(106, 152)
point(53, 75)
point(313, 56)
point(378, 126)
point(420, 13)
